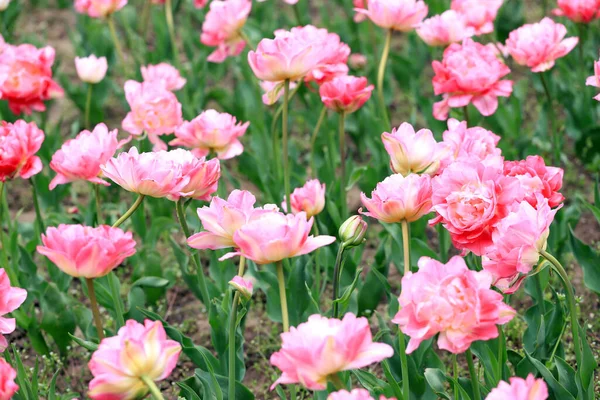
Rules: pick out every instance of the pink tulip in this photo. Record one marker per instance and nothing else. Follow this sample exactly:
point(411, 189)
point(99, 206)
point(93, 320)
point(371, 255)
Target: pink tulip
point(164, 74)
point(80, 159)
point(356, 394)
point(518, 239)
point(18, 144)
point(154, 110)
point(412, 152)
point(274, 236)
point(222, 28)
point(334, 54)
point(594, 80)
point(11, 298)
point(538, 45)
point(345, 93)
point(357, 61)
point(444, 29)
point(451, 300)
point(479, 14)
point(91, 69)
point(86, 252)
point(520, 389)
point(212, 131)
point(462, 143)
point(324, 346)
point(580, 11)
point(359, 5)
point(535, 178)
point(99, 8)
point(200, 3)
point(8, 387)
point(121, 361)
point(469, 73)
point(222, 218)
point(309, 198)
point(26, 77)
point(399, 198)
point(244, 286)
point(202, 176)
point(470, 197)
point(399, 15)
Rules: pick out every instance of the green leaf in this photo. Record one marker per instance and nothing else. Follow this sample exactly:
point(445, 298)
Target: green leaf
point(151, 281)
point(560, 392)
point(86, 344)
point(589, 261)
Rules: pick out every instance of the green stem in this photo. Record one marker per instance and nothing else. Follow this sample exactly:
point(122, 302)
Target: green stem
point(283, 297)
point(555, 136)
point(317, 262)
point(232, 328)
point(154, 390)
point(557, 266)
point(246, 39)
point(381, 74)
point(129, 212)
point(195, 257)
point(404, 365)
point(95, 309)
point(98, 205)
point(297, 14)
point(537, 283)
point(171, 28)
point(113, 33)
point(501, 345)
point(473, 374)
point(12, 276)
point(406, 245)
point(284, 144)
point(336, 381)
point(337, 271)
point(466, 114)
point(455, 367)
point(313, 140)
point(36, 206)
point(88, 104)
point(145, 18)
point(558, 341)
point(116, 296)
point(342, 133)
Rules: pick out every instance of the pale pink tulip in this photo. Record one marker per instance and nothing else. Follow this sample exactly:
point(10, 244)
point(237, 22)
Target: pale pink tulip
point(18, 144)
point(580, 11)
point(154, 110)
point(80, 159)
point(399, 15)
point(399, 198)
point(356, 394)
point(469, 73)
point(202, 176)
point(164, 74)
point(11, 298)
point(536, 178)
point(345, 93)
point(451, 300)
point(480, 14)
point(26, 77)
point(151, 174)
point(309, 198)
point(274, 236)
point(518, 240)
point(594, 80)
point(99, 8)
point(537, 46)
point(91, 69)
point(462, 143)
point(86, 252)
point(335, 53)
point(8, 387)
point(244, 286)
point(520, 389)
point(4, 5)
point(412, 152)
point(121, 361)
point(222, 218)
point(324, 346)
point(222, 28)
point(444, 29)
point(470, 197)
point(212, 131)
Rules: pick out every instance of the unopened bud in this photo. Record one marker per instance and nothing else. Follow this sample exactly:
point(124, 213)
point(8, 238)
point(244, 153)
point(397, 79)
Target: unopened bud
point(4, 4)
point(352, 232)
point(244, 286)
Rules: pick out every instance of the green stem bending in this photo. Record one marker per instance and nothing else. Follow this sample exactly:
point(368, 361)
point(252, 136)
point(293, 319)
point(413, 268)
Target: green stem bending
point(36, 206)
point(195, 257)
point(337, 272)
point(129, 212)
point(406, 245)
point(313, 140)
point(232, 328)
point(342, 133)
point(95, 310)
point(284, 144)
point(171, 28)
point(552, 126)
point(113, 33)
point(381, 74)
point(283, 297)
point(557, 266)
point(473, 374)
point(98, 205)
point(404, 364)
point(154, 390)
point(88, 105)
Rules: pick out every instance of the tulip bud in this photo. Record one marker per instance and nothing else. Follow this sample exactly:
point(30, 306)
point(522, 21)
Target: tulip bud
point(352, 232)
point(244, 286)
point(4, 4)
